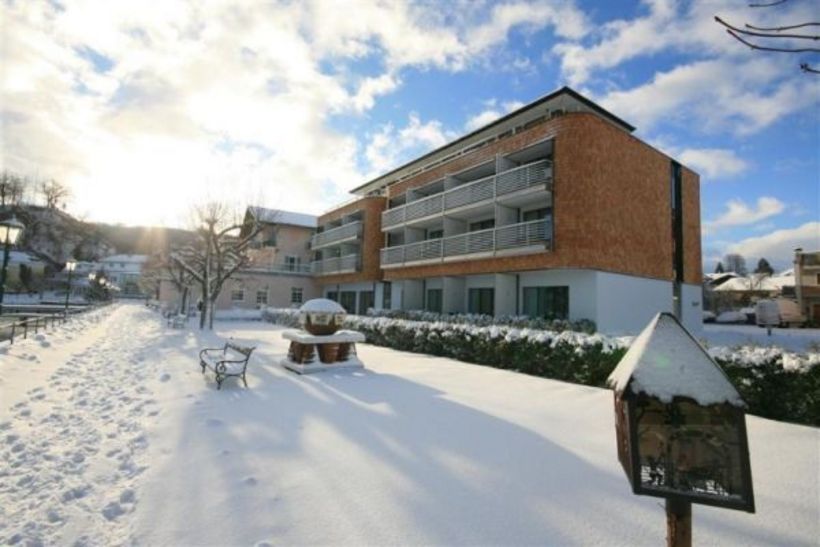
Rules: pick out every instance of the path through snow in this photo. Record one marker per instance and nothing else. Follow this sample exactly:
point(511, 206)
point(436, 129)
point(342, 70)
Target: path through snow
point(110, 434)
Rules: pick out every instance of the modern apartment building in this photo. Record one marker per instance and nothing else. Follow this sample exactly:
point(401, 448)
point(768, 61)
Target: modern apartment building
point(346, 255)
point(553, 210)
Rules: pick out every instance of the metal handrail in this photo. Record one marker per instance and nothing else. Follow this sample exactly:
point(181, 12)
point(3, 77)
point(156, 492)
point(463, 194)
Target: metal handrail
point(524, 234)
point(36, 323)
point(336, 264)
point(345, 231)
point(512, 180)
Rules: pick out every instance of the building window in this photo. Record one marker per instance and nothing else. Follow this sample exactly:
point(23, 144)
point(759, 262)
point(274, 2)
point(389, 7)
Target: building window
point(367, 300)
point(238, 295)
point(434, 299)
point(481, 301)
point(435, 234)
point(262, 297)
point(347, 299)
point(546, 302)
point(535, 214)
point(482, 225)
point(296, 295)
point(387, 295)
point(333, 295)
point(817, 279)
point(292, 263)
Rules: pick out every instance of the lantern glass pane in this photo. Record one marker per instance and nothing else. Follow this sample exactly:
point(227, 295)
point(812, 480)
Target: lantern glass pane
point(688, 449)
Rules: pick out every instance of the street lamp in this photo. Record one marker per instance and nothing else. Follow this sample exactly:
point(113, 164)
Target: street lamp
point(10, 230)
point(69, 266)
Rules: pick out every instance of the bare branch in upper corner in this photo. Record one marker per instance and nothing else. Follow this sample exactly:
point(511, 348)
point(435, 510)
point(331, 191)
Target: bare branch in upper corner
point(768, 4)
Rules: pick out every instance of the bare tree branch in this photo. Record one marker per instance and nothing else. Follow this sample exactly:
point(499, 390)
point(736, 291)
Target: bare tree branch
point(732, 30)
point(778, 29)
point(768, 4)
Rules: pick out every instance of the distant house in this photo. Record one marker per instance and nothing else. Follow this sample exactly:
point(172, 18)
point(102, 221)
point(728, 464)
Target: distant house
point(125, 272)
point(807, 283)
point(738, 290)
point(24, 270)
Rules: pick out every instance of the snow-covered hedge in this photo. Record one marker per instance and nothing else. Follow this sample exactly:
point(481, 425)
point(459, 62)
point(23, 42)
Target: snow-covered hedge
point(517, 321)
point(775, 383)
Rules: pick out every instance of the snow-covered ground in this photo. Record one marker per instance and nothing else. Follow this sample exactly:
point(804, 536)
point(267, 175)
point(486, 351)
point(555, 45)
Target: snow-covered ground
point(799, 340)
point(109, 434)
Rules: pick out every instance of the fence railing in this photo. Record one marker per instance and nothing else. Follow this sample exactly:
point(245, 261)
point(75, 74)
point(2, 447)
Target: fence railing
point(339, 264)
point(524, 234)
point(518, 178)
point(16, 325)
point(341, 233)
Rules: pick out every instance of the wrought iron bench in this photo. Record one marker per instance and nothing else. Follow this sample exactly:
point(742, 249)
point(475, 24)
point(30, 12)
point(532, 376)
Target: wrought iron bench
point(230, 360)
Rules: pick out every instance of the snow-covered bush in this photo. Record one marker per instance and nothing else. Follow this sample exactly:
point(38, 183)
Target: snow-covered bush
point(517, 321)
point(774, 383)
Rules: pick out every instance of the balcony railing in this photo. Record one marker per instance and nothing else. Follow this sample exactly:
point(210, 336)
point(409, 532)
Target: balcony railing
point(336, 235)
point(492, 240)
point(519, 178)
point(280, 267)
point(339, 264)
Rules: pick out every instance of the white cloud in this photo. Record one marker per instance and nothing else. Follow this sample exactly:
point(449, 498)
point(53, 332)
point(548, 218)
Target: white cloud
point(491, 113)
point(389, 147)
point(738, 213)
point(779, 246)
point(210, 94)
point(713, 163)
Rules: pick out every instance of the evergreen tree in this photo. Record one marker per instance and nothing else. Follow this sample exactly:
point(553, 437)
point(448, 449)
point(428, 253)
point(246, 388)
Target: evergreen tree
point(719, 268)
point(763, 267)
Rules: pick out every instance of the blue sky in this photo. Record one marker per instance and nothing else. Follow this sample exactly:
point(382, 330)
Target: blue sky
point(292, 104)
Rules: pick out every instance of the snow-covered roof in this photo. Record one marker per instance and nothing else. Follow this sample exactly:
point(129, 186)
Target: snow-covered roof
point(323, 305)
point(125, 258)
point(278, 216)
point(755, 282)
point(665, 361)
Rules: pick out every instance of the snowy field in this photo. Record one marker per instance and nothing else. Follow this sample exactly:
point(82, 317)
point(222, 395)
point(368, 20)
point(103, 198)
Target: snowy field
point(109, 434)
point(798, 340)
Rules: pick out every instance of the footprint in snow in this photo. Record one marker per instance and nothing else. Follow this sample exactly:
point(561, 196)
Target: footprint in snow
point(165, 377)
point(250, 481)
point(128, 496)
point(113, 510)
point(214, 422)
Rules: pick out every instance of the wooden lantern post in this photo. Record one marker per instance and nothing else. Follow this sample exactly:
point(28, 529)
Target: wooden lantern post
point(680, 427)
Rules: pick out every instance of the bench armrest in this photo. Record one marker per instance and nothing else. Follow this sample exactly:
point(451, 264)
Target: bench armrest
point(204, 352)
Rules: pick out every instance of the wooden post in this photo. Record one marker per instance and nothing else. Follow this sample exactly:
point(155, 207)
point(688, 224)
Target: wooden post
point(678, 523)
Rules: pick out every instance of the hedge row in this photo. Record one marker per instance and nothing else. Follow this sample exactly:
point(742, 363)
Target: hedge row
point(517, 321)
point(774, 383)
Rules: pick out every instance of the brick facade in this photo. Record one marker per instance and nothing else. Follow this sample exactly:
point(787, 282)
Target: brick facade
point(612, 209)
point(372, 239)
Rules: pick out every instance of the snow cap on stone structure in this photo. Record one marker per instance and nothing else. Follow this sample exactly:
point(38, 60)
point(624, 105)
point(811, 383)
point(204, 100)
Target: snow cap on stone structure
point(665, 361)
point(322, 305)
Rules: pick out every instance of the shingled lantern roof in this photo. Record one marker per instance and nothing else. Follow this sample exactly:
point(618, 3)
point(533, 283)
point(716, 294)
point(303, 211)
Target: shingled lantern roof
point(665, 362)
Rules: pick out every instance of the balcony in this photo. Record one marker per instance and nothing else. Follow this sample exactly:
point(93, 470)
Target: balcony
point(477, 191)
point(279, 268)
point(334, 236)
point(336, 265)
point(536, 233)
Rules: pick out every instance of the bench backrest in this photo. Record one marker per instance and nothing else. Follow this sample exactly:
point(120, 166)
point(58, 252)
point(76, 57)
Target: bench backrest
point(244, 350)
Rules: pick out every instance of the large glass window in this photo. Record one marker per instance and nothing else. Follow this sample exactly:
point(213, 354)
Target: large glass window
point(535, 214)
point(347, 299)
point(482, 225)
point(333, 295)
point(387, 295)
point(481, 301)
point(434, 300)
point(238, 295)
point(546, 302)
point(367, 300)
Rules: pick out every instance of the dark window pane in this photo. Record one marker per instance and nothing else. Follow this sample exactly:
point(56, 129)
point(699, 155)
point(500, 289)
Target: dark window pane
point(347, 299)
point(434, 300)
point(546, 302)
point(366, 301)
point(481, 301)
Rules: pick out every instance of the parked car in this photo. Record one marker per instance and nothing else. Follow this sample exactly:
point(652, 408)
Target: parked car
point(735, 317)
point(779, 312)
point(708, 317)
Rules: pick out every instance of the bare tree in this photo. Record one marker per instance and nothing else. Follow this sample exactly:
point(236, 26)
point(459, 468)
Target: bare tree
point(54, 192)
point(735, 263)
point(220, 251)
point(12, 188)
point(780, 39)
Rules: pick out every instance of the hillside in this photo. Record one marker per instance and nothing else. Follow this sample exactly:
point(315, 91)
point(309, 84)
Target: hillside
point(56, 236)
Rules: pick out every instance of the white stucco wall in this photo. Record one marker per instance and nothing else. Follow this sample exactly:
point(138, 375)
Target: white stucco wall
point(626, 303)
point(692, 308)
